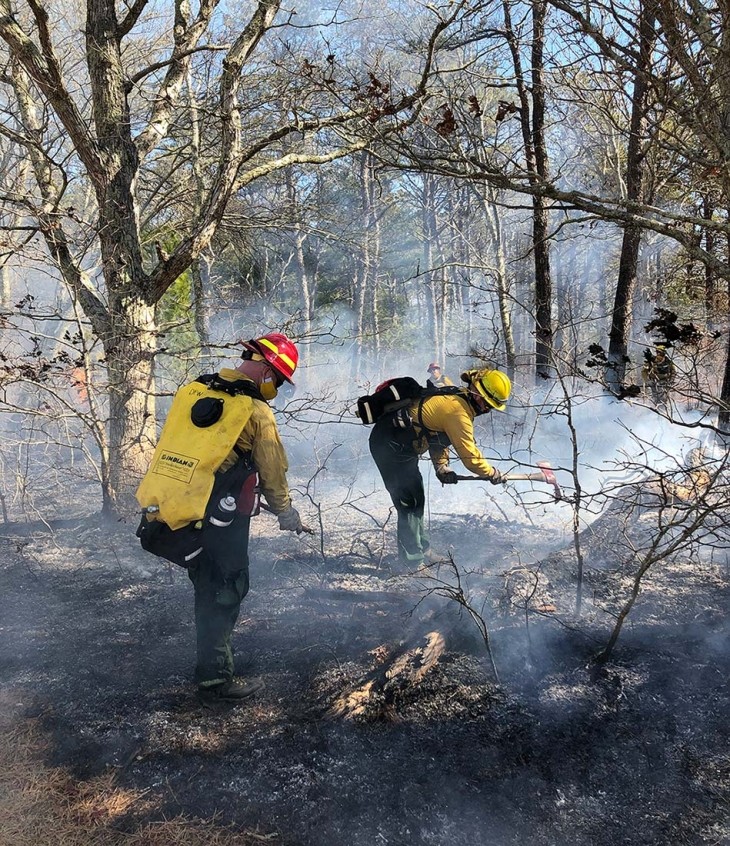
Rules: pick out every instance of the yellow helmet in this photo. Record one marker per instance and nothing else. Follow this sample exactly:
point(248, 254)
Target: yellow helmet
point(493, 386)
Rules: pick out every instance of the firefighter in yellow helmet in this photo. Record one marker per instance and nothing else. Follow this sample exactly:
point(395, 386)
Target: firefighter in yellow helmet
point(434, 424)
point(218, 449)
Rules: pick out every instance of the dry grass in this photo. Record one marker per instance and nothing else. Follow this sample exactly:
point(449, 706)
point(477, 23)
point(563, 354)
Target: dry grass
point(44, 806)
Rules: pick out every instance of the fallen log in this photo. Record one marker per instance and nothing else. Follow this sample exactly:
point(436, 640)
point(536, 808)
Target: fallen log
point(375, 697)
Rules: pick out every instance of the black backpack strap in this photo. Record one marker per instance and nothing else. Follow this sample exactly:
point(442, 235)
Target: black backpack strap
point(242, 387)
point(229, 482)
point(420, 414)
point(437, 438)
point(244, 457)
point(433, 391)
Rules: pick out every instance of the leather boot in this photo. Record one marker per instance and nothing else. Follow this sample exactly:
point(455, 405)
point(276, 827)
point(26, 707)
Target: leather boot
point(431, 556)
point(232, 691)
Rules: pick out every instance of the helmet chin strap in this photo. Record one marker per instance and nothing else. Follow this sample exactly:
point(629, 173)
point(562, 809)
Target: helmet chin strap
point(259, 371)
point(265, 380)
point(478, 403)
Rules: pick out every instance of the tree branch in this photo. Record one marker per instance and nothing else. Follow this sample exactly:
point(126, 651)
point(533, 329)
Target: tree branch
point(186, 38)
point(131, 18)
point(141, 74)
point(45, 71)
point(229, 177)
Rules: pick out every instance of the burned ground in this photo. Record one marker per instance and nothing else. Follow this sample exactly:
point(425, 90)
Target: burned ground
point(97, 647)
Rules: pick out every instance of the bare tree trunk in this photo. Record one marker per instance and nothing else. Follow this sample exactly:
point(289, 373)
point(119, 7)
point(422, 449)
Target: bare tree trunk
point(458, 221)
point(201, 266)
point(129, 337)
point(708, 210)
point(429, 229)
point(305, 259)
point(441, 283)
point(4, 286)
point(724, 415)
point(570, 281)
point(543, 282)
point(200, 271)
point(622, 307)
point(532, 122)
point(304, 284)
point(626, 283)
point(371, 245)
point(434, 261)
point(130, 347)
point(358, 303)
point(367, 262)
point(496, 236)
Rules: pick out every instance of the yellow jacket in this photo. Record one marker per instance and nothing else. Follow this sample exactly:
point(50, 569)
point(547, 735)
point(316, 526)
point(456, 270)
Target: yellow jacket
point(260, 437)
point(452, 416)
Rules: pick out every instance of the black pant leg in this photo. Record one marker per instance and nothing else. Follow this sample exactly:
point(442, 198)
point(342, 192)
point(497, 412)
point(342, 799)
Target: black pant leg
point(220, 581)
point(397, 460)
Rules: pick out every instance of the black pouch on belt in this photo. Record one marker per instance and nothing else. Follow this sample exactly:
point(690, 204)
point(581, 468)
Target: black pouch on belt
point(180, 546)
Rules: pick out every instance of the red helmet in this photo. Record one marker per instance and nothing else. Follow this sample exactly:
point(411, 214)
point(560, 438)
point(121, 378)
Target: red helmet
point(433, 366)
point(278, 350)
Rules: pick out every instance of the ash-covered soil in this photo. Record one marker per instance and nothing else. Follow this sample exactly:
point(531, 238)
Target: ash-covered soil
point(97, 642)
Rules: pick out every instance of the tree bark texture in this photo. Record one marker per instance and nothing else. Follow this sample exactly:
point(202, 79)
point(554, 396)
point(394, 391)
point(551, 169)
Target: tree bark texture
point(708, 211)
point(724, 412)
point(541, 229)
point(532, 123)
point(130, 347)
point(635, 154)
point(499, 270)
point(433, 276)
point(366, 261)
point(202, 264)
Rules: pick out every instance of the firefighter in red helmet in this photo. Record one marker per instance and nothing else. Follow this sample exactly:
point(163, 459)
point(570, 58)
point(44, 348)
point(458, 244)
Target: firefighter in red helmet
point(437, 378)
point(218, 449)
point(278, 351)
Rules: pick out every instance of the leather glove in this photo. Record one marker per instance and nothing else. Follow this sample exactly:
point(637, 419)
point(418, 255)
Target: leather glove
point(497, 478)
point(446, 476)
point(290, 521)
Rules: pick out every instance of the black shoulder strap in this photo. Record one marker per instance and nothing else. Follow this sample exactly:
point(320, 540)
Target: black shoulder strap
point(241, 387)
point(433, 391)
point(420, 412)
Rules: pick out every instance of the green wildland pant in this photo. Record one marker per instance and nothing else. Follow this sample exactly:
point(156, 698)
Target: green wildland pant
point(397, 460)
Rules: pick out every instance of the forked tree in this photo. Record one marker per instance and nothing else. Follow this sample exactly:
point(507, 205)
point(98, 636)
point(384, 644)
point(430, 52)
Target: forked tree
point(120, 107)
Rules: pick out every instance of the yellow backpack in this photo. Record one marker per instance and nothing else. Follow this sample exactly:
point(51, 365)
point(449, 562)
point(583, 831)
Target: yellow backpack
point(201, 430)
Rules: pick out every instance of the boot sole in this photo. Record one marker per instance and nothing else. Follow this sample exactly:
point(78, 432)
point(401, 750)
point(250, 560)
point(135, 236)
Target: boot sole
point(212, 698)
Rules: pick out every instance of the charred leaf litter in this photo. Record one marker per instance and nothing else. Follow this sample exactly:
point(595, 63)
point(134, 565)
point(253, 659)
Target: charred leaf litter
point(352, 741)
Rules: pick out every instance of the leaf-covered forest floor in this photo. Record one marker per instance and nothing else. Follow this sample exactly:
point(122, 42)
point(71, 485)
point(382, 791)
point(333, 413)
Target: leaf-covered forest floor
point(106, 742)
